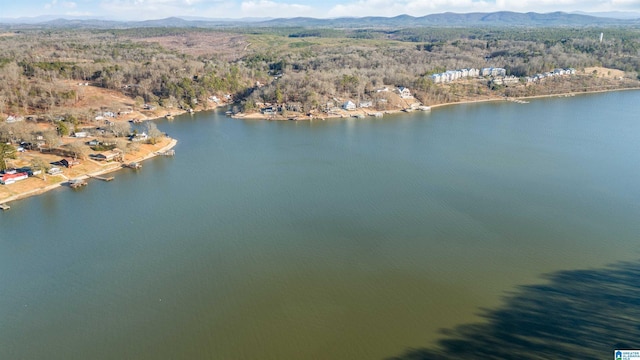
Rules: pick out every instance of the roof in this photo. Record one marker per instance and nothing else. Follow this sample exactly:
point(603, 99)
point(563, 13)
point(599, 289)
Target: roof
point(108, 154)
point(20, 175)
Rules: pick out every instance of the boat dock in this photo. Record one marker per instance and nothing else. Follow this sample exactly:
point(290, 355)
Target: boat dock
point(102, 178)
point(167, 153)
point(132, 165)
point(76, 183)
point(5, 207)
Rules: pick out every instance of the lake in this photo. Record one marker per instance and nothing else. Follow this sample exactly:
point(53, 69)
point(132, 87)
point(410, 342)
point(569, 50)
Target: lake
point(337, 239)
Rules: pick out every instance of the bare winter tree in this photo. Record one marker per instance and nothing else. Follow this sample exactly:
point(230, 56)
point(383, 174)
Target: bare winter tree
point(153, 132)
point(78, 149)
point(51, 138)
point(121, 128)
point(123, 145)
point(38, 164)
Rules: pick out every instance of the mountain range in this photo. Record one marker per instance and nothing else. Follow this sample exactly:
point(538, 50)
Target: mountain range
point(501, 18)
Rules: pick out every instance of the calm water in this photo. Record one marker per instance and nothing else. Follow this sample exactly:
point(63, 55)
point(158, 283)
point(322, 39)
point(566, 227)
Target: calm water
point(343, 239)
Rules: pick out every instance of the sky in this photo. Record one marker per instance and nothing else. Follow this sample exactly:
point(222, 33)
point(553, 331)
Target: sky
point(157, 9)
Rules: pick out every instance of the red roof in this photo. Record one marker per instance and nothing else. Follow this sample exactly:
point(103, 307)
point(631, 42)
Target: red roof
point(6, 177)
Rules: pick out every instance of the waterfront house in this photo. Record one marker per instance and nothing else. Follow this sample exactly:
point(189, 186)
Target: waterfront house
point(366, 104)
point(269, 110)
point(7, 179)
point(54, 171)
point(349, 105)
point(139, 137)
point(107, 155)
point(68, 162)
point(404, 92)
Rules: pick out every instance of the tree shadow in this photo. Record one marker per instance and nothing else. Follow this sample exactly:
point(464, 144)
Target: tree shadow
point(578, 314)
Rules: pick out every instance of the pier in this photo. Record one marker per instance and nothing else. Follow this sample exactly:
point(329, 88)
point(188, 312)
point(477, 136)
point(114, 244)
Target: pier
point(110, 178)
point(167, 153)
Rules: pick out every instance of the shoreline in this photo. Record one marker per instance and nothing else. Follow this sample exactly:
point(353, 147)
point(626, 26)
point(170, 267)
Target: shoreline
point(259, 116)
point(172, 143)
point(567, 94)
point(108, 169)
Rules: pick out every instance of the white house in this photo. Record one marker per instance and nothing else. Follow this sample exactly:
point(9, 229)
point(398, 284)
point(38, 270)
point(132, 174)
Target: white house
point(404, 92)
point(80, 134)
point(12, 119)
point(452, 75)
point(140, 137)
point(54, 171)
point(349, 105)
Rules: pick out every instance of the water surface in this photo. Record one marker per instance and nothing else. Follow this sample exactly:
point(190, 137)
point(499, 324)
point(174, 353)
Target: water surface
point(341, 239)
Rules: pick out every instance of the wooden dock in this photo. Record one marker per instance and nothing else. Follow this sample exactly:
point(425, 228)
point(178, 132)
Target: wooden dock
point(76, 183)
point(5, 207)
point(167, 153)
point(132, 165)
point(102, 178)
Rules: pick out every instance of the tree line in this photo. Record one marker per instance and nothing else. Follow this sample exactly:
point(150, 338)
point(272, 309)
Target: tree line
point(309, 67)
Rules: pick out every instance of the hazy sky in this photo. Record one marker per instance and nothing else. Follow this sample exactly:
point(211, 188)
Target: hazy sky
point(155, 9)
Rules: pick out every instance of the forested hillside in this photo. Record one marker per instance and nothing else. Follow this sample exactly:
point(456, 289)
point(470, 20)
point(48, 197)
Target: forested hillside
point(185, 68)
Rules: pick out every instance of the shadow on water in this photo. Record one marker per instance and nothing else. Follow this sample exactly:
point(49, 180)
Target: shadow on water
point(578, 314)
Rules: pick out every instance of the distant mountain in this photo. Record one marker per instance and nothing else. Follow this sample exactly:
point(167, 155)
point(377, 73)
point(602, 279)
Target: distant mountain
point(43, 18)
point(501, 18)
point(245, 19)
point(81, 23)
point(612, 14)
